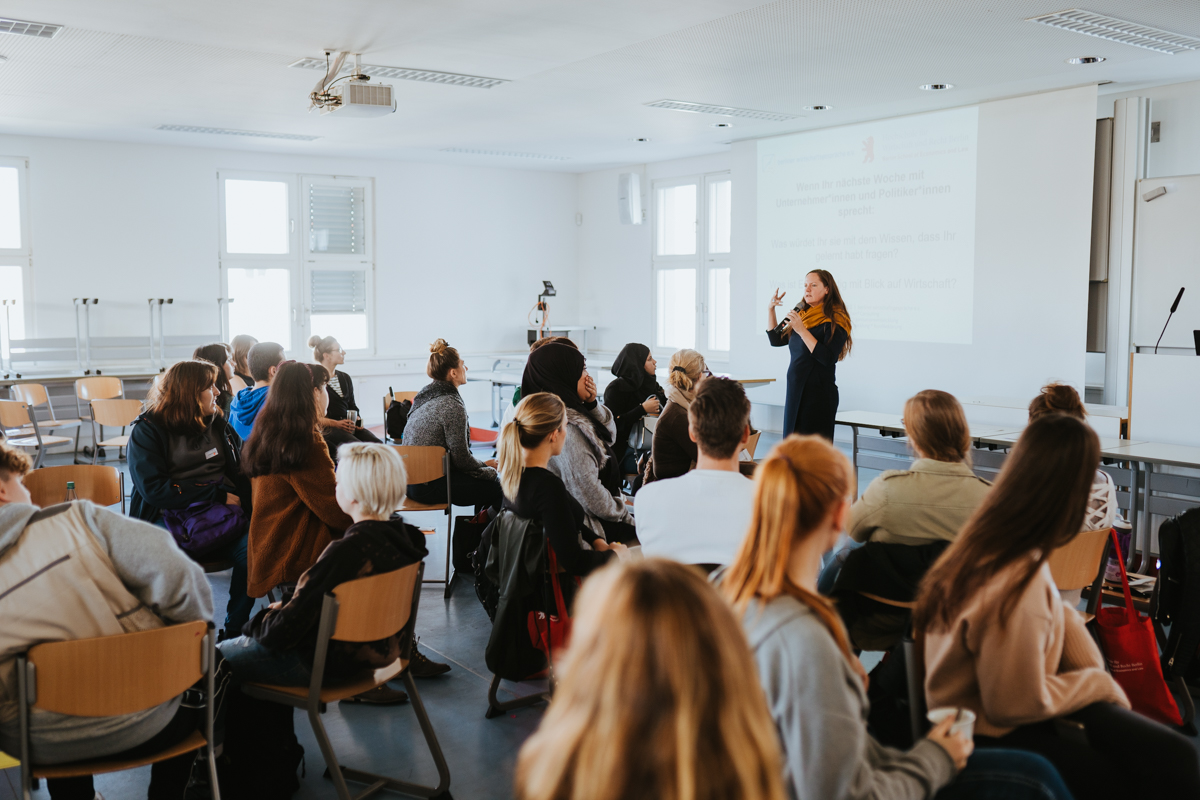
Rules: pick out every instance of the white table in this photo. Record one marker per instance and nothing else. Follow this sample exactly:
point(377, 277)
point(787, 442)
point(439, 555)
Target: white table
point(498, 379)
point(562, 330)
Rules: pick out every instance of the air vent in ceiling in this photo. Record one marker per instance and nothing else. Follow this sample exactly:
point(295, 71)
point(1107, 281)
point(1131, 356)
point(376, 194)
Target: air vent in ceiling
point(721, 111)
point(1118, 30)
point(506, 154)
point(404, 74)
point(39, 30)
point(299, 137)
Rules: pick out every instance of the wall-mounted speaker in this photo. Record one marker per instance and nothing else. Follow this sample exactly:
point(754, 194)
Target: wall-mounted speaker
point(629, 198)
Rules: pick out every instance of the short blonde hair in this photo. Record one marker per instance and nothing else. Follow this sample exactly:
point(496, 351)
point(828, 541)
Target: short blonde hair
point(374, 475)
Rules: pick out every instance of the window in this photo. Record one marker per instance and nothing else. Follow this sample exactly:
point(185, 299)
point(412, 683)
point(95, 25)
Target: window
point(283, 281)
point(11, 217)
point(15, 250)
point(692, 246)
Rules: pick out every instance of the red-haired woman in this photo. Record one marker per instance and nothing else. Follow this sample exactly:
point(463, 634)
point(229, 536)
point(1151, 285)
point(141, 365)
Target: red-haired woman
point(181, 452)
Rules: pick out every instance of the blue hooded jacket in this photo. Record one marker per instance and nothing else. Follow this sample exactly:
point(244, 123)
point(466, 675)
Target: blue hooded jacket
point(245, 408)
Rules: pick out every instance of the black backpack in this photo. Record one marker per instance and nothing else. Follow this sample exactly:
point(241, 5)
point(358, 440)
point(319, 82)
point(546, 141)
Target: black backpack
point(262, 755)
point(1177, 594)
point(396, 417)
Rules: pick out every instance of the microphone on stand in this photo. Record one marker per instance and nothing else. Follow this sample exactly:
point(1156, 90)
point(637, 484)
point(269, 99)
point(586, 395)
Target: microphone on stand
point(1174, 306)
point(781, 327)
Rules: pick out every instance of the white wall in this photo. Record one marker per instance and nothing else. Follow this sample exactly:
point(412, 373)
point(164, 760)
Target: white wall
point(460, 251)
point(1177, 108)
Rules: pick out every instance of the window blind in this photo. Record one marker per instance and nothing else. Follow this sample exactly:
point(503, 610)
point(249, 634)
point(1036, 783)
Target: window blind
point(335, 219)
point(339, 291)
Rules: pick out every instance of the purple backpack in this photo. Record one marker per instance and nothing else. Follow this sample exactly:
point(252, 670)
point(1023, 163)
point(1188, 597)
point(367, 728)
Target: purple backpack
point(204, 527)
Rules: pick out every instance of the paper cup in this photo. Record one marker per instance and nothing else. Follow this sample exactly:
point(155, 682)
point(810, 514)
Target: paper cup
point(965, 725)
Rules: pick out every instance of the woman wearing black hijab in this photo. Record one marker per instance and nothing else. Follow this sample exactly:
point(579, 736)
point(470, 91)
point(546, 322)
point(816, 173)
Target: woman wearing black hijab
point(586, 465)
point(631, 396)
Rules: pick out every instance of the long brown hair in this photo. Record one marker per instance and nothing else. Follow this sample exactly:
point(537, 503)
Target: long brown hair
point(538, 415)
point(174, 400)
point(285, 430)
point(833, 303)
point(658, 698)
point(1035, 506)
point(241, 348)
point(798, 485)
point(937, 425)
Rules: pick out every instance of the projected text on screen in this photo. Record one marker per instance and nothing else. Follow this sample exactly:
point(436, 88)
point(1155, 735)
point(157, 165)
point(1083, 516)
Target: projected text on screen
point(888, 207)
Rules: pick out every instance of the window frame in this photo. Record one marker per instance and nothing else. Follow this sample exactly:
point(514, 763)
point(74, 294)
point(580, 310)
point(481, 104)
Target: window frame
point(21, 257)
point(703, 262)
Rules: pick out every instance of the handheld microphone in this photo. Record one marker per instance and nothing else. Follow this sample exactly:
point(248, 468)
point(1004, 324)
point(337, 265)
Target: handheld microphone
point(781, 327)
point(1174, 306)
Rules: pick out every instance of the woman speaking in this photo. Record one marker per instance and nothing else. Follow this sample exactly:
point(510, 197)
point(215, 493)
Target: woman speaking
point(818, 333)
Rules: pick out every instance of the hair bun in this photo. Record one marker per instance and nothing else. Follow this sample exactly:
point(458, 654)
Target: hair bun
point(314, 340)
point(438, 347)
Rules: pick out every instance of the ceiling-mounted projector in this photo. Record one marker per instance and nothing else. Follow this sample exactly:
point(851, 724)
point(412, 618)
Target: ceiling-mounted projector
point(356, 97)
point(360, 99)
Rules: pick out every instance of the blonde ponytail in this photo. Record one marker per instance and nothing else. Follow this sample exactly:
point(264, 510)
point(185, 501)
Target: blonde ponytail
point(538, 415)
point(685, 369)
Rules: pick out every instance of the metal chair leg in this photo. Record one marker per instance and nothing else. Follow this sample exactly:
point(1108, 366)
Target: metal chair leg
point(497, 708)
point(336, 773)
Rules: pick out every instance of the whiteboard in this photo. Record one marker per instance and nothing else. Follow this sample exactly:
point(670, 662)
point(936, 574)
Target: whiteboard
point(1166, 255)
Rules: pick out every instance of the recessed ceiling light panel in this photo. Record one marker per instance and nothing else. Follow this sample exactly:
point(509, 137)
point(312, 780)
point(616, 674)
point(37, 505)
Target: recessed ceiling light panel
point(38, 30)
point(504, 153)
point(1090, 23)
point(405, 74)
point(936, 87)
point(1086, 60)
point(818, 108)
point(721, 111)
point(234, 132)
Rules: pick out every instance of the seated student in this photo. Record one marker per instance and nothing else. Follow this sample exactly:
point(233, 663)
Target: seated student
point(281, 640)
point(586, 465)
point(537, 434)
point(241, 379)
point(907, 517)
point(814, 684)
point(439, 418)
point(999, 641)
point(264, 359)
point(701, 517)
point(634, 717)
point(516, 398)
point(182, 451)
point(77, 571)
point(217, 354)
point(632, 395)
point(335, 427)
point(673, 452)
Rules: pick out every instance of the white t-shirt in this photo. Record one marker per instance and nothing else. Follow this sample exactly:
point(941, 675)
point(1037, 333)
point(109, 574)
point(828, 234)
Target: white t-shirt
point(697, 518)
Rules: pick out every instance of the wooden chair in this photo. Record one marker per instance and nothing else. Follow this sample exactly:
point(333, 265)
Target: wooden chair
point(364, 610)
point(424, 464)
point(97, 388)
point(394, 397)
point(1080, 564)
point(34, 395)
point(114, 675)
point(104, 486)
point(114, 413)
point(752, 444)
point(16, 416)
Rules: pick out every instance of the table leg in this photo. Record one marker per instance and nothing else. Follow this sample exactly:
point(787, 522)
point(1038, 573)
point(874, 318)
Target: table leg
point(495, 394)
point(1134, 492)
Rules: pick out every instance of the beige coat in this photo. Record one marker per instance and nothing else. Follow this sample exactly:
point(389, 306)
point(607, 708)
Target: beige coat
point(929, 502)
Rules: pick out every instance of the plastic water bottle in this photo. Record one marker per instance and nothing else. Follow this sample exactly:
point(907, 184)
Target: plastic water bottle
point(71, 496)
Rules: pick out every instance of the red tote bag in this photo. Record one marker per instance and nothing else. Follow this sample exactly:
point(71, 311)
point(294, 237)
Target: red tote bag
point(1131, 650)
point(551, 633)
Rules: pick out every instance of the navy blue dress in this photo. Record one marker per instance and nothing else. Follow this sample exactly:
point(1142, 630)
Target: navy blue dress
point(812, 393)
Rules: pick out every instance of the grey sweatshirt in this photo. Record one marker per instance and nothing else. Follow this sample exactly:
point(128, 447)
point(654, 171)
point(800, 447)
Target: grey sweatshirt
point(152, 568)
point(820, 709)
point(439, 419)
point(579, 468)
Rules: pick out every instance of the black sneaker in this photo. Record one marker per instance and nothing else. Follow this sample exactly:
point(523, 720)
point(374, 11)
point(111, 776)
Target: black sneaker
point(421, 667)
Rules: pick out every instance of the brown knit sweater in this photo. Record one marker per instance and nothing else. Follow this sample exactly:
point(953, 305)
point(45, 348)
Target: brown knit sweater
point(295, 517)
point(1040, 664)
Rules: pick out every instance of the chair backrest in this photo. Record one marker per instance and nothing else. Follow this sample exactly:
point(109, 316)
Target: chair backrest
point(752, 443)
point(113, 675)
point(32, 393)
point(423, 463)
point(1076, 564)
point(99, 388)
point(100, 484)
point(399, 397)
point(115, 413)
point(375, 607)
point(14, 414)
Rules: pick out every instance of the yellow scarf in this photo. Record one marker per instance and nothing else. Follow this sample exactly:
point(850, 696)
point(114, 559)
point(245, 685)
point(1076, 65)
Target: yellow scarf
point(815, 315)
